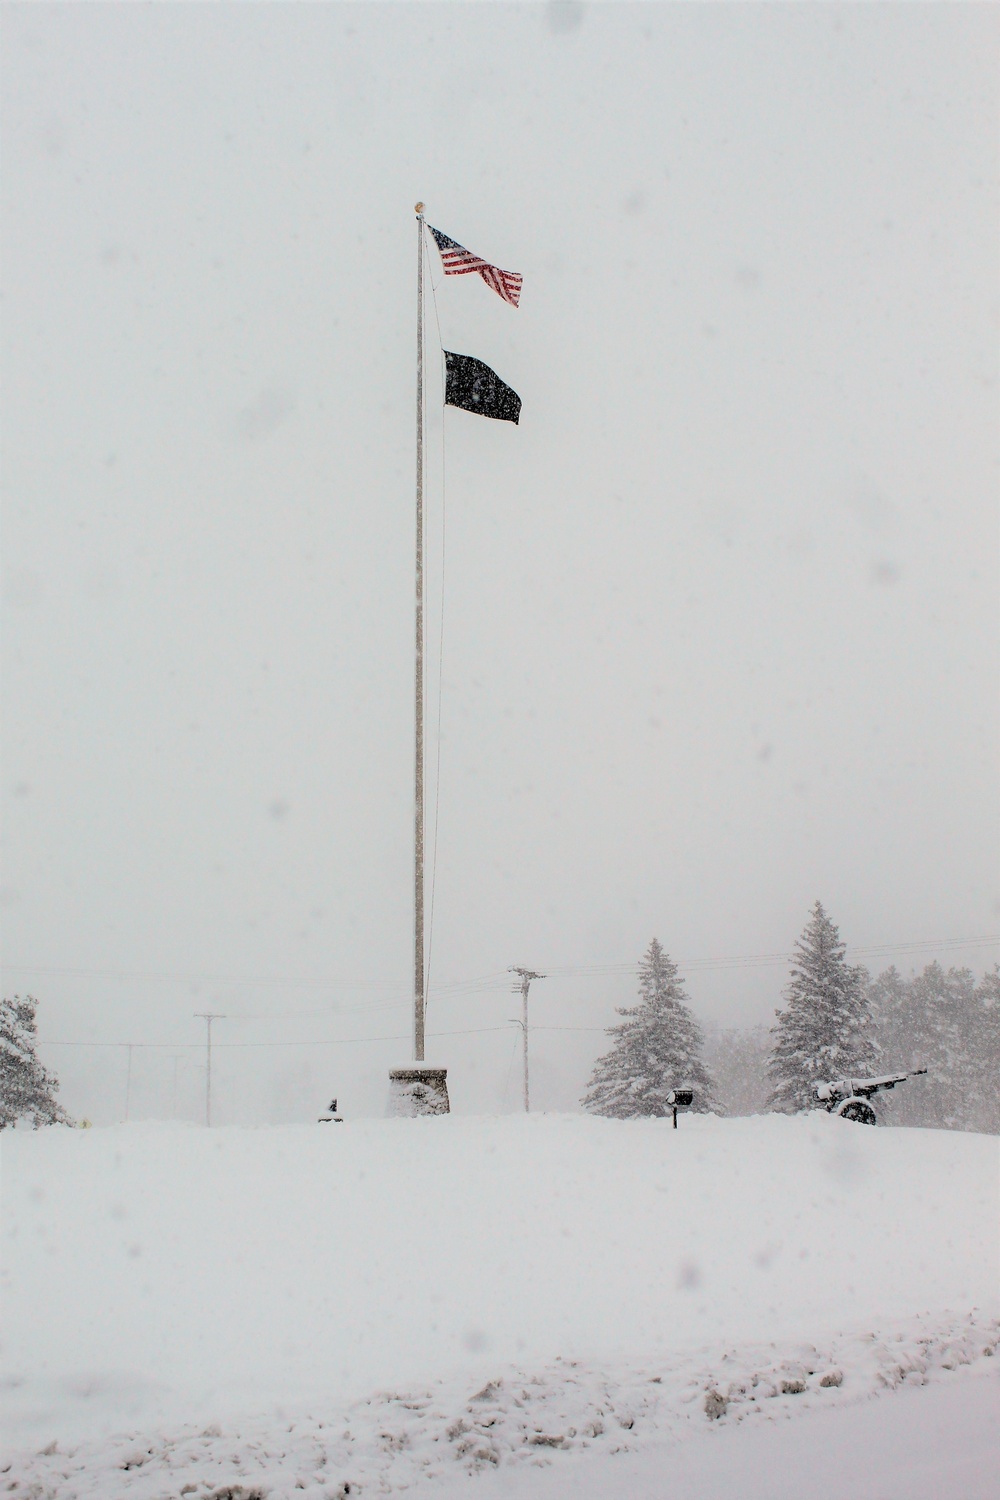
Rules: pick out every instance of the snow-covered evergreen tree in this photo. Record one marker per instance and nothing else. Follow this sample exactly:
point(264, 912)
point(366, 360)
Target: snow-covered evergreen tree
point(826, 1029)
point(657, 1047)
point(27, 1089)
point(984, 1111)
point(948, 1023)
point(892, 1007)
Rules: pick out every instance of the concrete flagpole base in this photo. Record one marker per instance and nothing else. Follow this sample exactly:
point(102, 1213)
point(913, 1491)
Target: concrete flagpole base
point(417, 1090)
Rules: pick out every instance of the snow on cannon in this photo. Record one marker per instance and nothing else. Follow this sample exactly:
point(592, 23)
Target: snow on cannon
point(848, 1097)
point(679, 1099)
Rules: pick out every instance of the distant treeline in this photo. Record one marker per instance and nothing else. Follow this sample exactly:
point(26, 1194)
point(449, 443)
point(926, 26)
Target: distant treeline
point(944, 1020)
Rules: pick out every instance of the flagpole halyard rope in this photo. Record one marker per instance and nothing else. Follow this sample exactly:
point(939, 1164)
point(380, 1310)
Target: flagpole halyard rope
point(473, 386)
point(418, 810)
point(440, 683)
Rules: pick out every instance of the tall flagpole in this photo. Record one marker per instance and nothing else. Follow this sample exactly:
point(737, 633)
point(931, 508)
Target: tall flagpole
point(419, 1090)
point(418, 813)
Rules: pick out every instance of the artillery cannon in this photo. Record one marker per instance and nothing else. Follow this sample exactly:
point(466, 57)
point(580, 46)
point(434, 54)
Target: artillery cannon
point(848, 1097)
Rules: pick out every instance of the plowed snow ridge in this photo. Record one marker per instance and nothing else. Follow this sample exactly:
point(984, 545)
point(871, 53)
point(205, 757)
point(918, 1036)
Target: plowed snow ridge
point(266, 1312)
point(396, 1438)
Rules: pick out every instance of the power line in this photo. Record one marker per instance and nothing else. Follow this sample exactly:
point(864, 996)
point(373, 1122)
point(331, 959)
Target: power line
point(226, 1046)
point(765, 960)
point(482, 983)
point(495, 981)
point(337, 1041)
point(570, 1028)
point(329, 1011)
point(176, 977)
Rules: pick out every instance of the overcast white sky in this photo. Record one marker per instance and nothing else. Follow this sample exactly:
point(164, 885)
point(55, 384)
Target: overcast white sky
point(720, 616)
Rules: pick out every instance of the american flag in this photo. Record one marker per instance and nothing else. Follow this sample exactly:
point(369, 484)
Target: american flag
point(458, 261)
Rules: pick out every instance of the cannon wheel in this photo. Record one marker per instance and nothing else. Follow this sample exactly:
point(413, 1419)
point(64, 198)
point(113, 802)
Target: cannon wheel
point(856, 1109)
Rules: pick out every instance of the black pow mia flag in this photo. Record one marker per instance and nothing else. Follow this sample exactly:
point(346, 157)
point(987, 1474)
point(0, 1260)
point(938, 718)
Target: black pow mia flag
point(475, 387)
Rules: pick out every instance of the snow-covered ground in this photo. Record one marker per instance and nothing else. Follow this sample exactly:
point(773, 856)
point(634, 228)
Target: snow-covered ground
point(390, 1303)
point(938, 1443)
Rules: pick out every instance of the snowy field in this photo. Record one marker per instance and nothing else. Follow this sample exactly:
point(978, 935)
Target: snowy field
point(558, 1305)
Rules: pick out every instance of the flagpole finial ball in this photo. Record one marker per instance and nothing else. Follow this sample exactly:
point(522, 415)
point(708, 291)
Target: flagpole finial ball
point(418, 208)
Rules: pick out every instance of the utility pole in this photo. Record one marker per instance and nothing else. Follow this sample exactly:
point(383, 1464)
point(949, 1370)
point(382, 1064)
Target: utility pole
point(176, 1059)
point(209, 1017)
point(128, 1080)
point(527, 975)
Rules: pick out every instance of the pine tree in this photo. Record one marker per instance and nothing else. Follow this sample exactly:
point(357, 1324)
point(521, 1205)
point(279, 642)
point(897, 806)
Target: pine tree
point(891, 1000)
point(826, 1030)
point(27, 1089)
point(948, 1023)
point(985, 1105)
point(657, 1047)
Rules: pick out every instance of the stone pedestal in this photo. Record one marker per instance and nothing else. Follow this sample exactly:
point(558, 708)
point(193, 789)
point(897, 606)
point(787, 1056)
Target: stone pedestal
point(417, 1090)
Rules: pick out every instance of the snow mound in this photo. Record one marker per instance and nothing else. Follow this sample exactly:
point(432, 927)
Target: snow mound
point(214, 1309)
point(397, 1438)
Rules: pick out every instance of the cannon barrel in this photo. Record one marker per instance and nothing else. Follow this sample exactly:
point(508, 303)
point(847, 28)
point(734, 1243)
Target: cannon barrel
point(845, 1088)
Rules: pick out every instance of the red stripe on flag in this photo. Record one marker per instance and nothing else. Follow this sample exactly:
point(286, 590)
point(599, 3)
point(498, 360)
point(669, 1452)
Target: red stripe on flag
point(461, 262)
